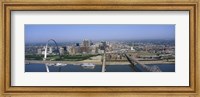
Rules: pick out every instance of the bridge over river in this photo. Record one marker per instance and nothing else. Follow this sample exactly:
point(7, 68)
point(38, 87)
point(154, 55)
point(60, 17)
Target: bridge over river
point(133, 61)
point(146, 68)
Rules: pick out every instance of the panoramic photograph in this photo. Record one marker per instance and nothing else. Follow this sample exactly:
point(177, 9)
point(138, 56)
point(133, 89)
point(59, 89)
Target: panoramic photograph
point(99, 47)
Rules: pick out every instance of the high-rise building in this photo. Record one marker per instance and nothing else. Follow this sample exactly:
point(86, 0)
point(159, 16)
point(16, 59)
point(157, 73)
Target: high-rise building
point(50, 50)
point(61, 50)
point(77, 44)
point(91, 43)
point(77, 49)
point(94, 49)
point(39, 51)
point(71, 50)
point(86, 43)
point(85, 48)
point(65, 48)
point(103, 45)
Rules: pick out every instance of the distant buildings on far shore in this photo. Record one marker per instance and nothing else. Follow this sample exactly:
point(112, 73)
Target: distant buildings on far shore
point(153, 50)
point(86, 47)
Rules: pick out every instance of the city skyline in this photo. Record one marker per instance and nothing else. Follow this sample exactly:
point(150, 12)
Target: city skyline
point(78, 32)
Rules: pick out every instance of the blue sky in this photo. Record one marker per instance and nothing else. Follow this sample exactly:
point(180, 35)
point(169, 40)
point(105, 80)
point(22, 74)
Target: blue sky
point(78, 32)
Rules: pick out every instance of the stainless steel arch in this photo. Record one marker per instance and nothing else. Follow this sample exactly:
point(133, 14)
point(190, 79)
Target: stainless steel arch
point(45, 54)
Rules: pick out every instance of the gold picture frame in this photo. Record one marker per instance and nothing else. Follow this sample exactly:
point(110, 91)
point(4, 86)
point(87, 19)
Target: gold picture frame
point(49, 5)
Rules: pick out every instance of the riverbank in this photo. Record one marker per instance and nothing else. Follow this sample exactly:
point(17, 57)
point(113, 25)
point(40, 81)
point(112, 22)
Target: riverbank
point(96, 62)
point(142, 62)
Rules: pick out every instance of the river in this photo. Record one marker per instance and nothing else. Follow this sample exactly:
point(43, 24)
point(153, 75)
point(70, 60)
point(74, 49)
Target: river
point(109, 68)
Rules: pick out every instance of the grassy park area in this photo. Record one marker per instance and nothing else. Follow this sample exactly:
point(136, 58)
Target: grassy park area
point(79, 57)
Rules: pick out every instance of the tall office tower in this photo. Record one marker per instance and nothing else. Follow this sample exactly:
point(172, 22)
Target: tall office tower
point(77, 44)
point(86, 43)
point(61, 50)
point(39, 51)
point(85, 46)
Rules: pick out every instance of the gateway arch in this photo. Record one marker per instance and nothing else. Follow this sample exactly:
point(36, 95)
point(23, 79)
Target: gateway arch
point(45, 54)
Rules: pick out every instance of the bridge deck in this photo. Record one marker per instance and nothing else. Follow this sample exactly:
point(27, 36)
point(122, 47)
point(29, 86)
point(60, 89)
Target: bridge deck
point(104, 63)
point(146, 68)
